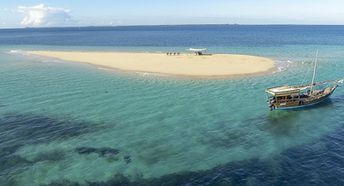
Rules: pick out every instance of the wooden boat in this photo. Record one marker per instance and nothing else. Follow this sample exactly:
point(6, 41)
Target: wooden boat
point(292, 97)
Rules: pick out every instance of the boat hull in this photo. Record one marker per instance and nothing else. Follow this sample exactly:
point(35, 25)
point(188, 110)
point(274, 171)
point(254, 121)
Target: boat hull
point(310, 104)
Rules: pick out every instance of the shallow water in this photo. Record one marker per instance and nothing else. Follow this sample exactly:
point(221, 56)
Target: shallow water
point(74, 123)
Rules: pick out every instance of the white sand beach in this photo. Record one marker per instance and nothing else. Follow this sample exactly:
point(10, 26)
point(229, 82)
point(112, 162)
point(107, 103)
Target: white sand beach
point(217, 65)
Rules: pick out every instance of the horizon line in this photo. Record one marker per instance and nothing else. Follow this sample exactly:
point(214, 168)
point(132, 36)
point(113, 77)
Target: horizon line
point(156, 25)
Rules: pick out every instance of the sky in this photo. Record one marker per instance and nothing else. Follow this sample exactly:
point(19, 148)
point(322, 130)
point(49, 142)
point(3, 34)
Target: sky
point(59, 13)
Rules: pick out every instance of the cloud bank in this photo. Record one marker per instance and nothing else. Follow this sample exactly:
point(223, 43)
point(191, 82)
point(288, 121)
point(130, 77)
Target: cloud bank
point(41, 15)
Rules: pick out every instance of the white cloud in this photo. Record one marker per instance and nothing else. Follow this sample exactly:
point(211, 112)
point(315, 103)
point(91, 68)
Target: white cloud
point(41, 15)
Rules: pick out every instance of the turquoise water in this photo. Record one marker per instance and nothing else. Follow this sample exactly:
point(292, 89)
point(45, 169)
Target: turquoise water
point(74, 123)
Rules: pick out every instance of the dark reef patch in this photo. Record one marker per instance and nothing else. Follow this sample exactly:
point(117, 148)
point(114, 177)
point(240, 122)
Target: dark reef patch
point(317, 163)
point(32, 129)
point(53, 156)
point(127, 159)
point(17, 130)
point(104, 152)
point(229, 139)
point(10, 162)
point(280, 124)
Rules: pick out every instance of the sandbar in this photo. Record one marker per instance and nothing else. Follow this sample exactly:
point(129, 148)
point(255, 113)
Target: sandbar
point(216, 65)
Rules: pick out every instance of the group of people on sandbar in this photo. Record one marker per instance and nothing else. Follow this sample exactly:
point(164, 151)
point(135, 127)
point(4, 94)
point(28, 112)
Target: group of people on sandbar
point(173, 53)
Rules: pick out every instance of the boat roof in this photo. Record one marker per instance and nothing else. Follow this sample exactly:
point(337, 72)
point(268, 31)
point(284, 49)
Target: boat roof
point(288, 90)
point(197, 49)
point(284, 90)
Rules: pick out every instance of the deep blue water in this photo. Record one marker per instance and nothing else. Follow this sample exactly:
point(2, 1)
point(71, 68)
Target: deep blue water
point(176, 36)
point(73, 124)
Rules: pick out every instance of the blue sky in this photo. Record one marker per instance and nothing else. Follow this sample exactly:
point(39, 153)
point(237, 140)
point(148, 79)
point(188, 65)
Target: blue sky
point(40, 13)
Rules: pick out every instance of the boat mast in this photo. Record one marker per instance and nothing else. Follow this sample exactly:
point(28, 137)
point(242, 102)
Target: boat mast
point(315, 69)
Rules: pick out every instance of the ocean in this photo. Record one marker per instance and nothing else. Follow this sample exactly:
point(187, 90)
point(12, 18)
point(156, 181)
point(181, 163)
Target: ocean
point(77, 124)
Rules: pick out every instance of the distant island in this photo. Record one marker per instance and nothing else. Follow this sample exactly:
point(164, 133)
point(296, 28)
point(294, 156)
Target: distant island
point(216, 65)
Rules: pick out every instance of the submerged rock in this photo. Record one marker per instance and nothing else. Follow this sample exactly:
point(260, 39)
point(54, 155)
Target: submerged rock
point(85, 150)
point(105, 152)
point(127, 159)
point(13, 161)
point(53, 156)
